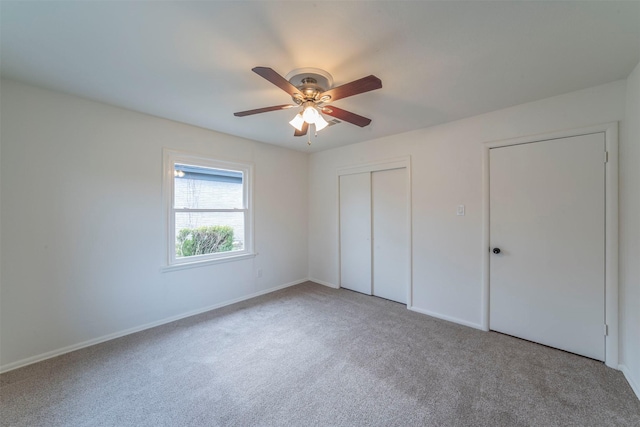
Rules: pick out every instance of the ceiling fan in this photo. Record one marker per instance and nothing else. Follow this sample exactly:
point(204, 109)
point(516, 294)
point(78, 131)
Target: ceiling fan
point(310, 89)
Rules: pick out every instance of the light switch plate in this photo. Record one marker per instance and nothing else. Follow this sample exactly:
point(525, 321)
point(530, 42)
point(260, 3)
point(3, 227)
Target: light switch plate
point(460, 210)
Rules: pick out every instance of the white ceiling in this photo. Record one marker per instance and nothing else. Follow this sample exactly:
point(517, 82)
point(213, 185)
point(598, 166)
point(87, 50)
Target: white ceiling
point(438, 61)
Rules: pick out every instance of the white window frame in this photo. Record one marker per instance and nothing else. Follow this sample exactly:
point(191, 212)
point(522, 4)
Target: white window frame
point(170, 159)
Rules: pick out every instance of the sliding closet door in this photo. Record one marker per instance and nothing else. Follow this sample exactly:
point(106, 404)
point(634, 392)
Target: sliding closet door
point(355, 232)
point(390, 234)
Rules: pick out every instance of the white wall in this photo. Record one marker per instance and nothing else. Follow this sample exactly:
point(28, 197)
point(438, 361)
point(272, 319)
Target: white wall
point(82, 224)
point(630, 234)
point(447, 171)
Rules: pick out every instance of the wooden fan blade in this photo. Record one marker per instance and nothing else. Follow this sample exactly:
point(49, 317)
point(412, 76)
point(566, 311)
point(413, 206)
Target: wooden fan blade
point(346, 116)
point(276, 79)
point(356, 87)
point(263, 110)
point(303, 132)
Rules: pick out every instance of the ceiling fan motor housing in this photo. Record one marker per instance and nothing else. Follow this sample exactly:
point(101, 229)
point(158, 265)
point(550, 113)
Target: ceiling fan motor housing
point(311, 82)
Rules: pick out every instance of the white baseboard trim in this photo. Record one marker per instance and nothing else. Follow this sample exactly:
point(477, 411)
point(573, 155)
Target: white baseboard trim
point(322, 282)
point(447, 318)
point(627, 375)
point(54, 353)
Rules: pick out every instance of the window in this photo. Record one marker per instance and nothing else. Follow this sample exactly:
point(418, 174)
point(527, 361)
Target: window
point(208, 205)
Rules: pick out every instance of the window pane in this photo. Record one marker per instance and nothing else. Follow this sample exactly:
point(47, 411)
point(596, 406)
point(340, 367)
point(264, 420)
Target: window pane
point(207, 188)
point(199, 233)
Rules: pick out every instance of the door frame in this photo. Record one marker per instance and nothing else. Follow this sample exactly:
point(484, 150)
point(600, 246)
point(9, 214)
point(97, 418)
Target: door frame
point(610, 131)
point(403, 162)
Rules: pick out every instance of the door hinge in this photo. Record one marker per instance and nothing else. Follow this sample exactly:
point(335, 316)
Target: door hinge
point(606, 330)
point(606, 156)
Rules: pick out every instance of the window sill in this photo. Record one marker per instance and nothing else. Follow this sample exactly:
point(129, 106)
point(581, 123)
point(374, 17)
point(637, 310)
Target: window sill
point(205, 263)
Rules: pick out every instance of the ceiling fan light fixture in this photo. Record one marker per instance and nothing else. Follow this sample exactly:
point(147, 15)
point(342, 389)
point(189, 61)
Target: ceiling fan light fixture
point(297, 121)
point(310, 114)
point(320, 123)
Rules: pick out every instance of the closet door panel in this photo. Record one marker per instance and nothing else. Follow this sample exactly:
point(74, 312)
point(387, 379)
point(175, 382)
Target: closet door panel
point(390, 234)
point(355, 232)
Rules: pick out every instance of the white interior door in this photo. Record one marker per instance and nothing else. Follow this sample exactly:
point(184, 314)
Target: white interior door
point(390, 237)
point(355, 232)
point(547, 217)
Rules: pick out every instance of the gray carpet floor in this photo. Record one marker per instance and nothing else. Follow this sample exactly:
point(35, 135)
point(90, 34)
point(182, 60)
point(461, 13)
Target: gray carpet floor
point(314, 356)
